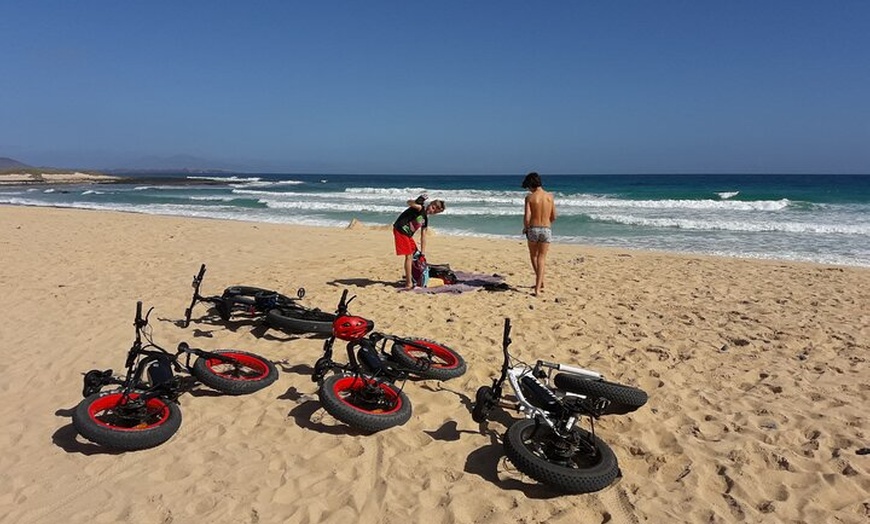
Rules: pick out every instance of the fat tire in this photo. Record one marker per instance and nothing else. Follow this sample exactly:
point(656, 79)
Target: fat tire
point(254, 292)
point(358, 416)
point(263, 373)
point(453, 364)
point(124, 439)
point(300, 320)
point(247, 291)
point(585, 479)
point(623, 399)
point(484, 401)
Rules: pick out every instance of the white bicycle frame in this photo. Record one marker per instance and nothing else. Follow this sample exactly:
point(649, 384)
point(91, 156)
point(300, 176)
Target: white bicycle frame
point(529, 410)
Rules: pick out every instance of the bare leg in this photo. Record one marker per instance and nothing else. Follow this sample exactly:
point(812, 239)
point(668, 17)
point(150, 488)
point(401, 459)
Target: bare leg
point(534, 249)
point(540, 266)
point(408, 261)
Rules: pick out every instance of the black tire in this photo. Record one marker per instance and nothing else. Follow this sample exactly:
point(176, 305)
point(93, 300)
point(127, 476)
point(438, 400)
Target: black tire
point(530, 451)
point(623, 399)
point(484, 401)
point(340, 396)
point(300, 320)
point(96, 419)
point(445, 364)
point(252, 373)
point(247, 291)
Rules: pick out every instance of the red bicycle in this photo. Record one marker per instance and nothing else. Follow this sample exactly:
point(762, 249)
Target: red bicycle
point(143, 412)
point(363, 392)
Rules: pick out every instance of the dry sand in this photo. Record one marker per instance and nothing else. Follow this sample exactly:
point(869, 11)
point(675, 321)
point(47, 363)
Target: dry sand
point(55, 178)
point(757, 374)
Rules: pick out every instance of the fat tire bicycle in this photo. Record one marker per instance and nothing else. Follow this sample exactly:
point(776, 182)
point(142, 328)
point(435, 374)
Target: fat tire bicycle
point(143, 411)
point(548, 444)
point(279, 311)
point(363, 392)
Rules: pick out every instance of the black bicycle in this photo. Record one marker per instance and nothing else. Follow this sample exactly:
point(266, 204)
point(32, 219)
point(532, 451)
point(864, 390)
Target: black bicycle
point(143, 412)
point(548, 445)
point(278, 311)
point(362, 392)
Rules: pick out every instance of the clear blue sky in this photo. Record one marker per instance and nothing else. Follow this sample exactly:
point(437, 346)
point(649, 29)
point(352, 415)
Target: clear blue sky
point(438, 86)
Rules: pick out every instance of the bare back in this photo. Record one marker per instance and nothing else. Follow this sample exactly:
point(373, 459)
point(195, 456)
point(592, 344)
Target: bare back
point(540, 210)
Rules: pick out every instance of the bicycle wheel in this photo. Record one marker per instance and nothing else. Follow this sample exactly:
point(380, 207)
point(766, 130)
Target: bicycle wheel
point(248, 291)
point(581, 463)
point(117, 421)
point(364, 403)
point(429, 360)
point(248, 374)
point(623, 399)
point(299, 319)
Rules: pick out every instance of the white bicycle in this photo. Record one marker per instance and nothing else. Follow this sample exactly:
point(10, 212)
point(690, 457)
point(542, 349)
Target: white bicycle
point(548, 445)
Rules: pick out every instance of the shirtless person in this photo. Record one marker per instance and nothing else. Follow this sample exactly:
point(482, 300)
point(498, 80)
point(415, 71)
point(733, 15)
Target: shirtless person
point(540, 212)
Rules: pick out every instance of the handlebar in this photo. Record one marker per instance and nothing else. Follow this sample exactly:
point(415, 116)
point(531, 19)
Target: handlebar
point(343, 303)
point(198, 278)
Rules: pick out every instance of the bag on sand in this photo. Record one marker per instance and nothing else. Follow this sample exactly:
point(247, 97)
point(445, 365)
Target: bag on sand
point(420, 270)
point(443, 272)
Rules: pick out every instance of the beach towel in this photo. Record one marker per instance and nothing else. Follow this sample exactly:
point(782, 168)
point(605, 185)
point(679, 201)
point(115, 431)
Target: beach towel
point(468, 282)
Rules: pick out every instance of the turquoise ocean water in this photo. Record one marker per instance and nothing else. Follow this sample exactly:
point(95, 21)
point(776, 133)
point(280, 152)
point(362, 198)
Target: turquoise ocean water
point(815, 218)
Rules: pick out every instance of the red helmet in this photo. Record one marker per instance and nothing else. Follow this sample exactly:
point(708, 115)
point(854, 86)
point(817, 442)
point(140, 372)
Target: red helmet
point(351, 328)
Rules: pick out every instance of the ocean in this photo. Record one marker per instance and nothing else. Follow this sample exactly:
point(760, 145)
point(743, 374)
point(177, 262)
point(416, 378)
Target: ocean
point(814, 218)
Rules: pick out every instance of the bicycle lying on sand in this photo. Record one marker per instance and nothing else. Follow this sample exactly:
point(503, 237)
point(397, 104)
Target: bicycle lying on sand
point(547, 445)
point(143, 412)
point(280, 311)
point(362, 393)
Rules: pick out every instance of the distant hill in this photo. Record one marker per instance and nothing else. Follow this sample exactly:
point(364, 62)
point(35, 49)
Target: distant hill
point(8, 163)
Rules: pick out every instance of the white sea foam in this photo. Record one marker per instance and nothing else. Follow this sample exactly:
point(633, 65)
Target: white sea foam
point(734, 225)
point(212, 198)
point(778, 229)
point(227, 179)
point(269, 183)
point(330, 206)
point(153, 188)
point(733, 205)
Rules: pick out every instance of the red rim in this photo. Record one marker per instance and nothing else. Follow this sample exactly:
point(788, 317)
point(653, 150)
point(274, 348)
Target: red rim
point(441, 357)
point(251, 367)
point(102, 412)
point(345, 386)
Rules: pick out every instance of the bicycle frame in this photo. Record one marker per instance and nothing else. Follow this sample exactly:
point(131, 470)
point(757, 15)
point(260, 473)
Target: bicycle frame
point(153, 360)
point(560, 410)
point(383, 367)
point(248, 304)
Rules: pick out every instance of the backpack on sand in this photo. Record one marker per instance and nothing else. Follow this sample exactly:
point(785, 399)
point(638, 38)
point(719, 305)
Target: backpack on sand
point(443, 272)
point(419, 270)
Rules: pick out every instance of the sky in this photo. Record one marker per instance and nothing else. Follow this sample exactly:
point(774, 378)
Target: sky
point(438, 87)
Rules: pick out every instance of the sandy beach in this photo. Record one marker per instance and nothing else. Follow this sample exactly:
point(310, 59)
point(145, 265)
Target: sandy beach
point(757, 373)
point(55, 178)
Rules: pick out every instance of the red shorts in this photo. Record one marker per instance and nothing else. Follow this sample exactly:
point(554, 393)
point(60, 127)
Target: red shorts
point(405, 245)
